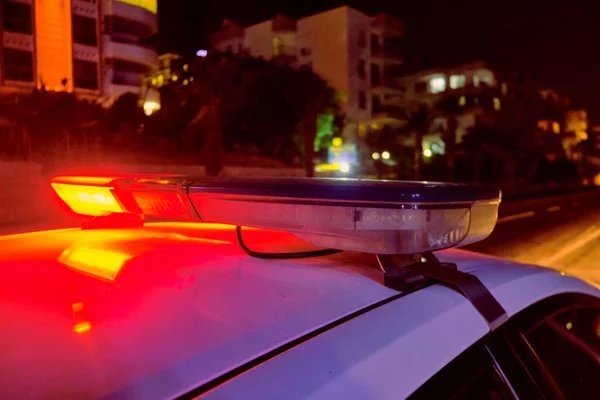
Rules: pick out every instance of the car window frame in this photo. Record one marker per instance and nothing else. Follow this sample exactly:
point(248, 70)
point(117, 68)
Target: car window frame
point(498, 349)
point(536, 314)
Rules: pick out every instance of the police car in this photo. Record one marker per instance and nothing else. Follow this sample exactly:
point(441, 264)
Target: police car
point(295, 289)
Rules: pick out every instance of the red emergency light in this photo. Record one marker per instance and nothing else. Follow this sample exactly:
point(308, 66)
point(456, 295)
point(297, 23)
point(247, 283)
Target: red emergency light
point(381, 217)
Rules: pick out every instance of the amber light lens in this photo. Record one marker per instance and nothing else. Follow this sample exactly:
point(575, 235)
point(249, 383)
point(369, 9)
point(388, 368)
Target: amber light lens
point(88, 200)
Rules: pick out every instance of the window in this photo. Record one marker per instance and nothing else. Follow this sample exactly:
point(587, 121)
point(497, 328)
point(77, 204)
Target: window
point(362, 39)
point(18, 65)
point(375, 74)
point(84, 31)
point(457, 81)
point(496, 104)
point(420, 87)
point(567, 342)
point(375, 44)
point(85, 74)
point(362, 69)
point(376, 104)
point(471, 376)
point(437, 85)
point(17, 17)
point(277, 46)
point(362, 100)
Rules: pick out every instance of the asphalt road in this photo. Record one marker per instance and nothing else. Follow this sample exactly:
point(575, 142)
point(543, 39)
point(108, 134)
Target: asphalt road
point(562, 233)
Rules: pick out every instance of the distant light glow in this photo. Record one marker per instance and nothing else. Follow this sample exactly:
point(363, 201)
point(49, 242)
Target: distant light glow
point(457, 81)
point(150, 107)
point(376, 156)
point(337, 142)
point(385, 155)
point(185, 82)
point(82, 327)
point(555, 127)
point(496, 104)
point(344, 167)
point(202, 53)
point(569, 325)
point(462, 100)
point(427, 153)
point(150, 5)
point(174, 78)
point(101, 263)
point(437, 85)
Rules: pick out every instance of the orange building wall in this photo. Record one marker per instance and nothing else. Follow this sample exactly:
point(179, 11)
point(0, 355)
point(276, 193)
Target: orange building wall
point(54, 44)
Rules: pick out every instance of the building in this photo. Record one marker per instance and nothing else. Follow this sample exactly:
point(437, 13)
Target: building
point(472, 90)
point(356, 53)
point(93, 48)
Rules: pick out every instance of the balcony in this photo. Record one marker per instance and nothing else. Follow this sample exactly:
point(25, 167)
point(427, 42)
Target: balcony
point(131, 12)
point(85, 8)
point(18, 41)
point(389, 112)
point(388, 84)
point(390, 54)
point(130, 52)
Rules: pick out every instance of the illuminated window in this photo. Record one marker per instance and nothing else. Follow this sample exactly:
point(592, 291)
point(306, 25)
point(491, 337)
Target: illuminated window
point(149, 5)
point(84, 31)
point(160, 80)
point(85, 74)
point(457, 81)
point(277, 46)
point(462, 100)
point(496, 104)
point(17, 17)
point(555, 127)
point(437, 85)
point(18, 65)
point(504, 88)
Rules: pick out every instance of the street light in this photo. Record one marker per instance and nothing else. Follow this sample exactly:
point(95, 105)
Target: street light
point(385, 155)
point(427, 153)
point(376, 156)
point(202, 53)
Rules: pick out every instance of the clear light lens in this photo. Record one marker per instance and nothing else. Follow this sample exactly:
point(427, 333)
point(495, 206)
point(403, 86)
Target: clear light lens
point(369, 230)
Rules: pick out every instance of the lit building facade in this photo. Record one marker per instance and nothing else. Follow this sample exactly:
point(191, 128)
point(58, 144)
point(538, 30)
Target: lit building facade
point(356, 53)
point(474, 89)
point(93, 48)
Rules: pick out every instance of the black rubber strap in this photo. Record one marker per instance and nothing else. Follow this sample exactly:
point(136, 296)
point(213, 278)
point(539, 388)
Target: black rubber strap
point(469, 285)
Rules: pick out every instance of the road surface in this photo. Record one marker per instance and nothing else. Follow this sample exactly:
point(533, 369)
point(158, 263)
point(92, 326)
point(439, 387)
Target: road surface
point(563, 234)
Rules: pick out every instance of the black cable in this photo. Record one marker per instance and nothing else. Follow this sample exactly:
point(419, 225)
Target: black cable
point(280, 256)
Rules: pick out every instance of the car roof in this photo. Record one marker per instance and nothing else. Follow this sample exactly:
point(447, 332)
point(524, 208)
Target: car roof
point(190, 306)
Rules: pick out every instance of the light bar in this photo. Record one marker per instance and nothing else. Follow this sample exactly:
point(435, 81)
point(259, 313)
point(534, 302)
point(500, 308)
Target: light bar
point(382, 217)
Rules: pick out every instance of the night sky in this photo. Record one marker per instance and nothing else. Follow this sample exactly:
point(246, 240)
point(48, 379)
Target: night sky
point(553, 42)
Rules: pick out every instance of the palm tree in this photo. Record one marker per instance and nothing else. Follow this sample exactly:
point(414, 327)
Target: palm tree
point(418, 124)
